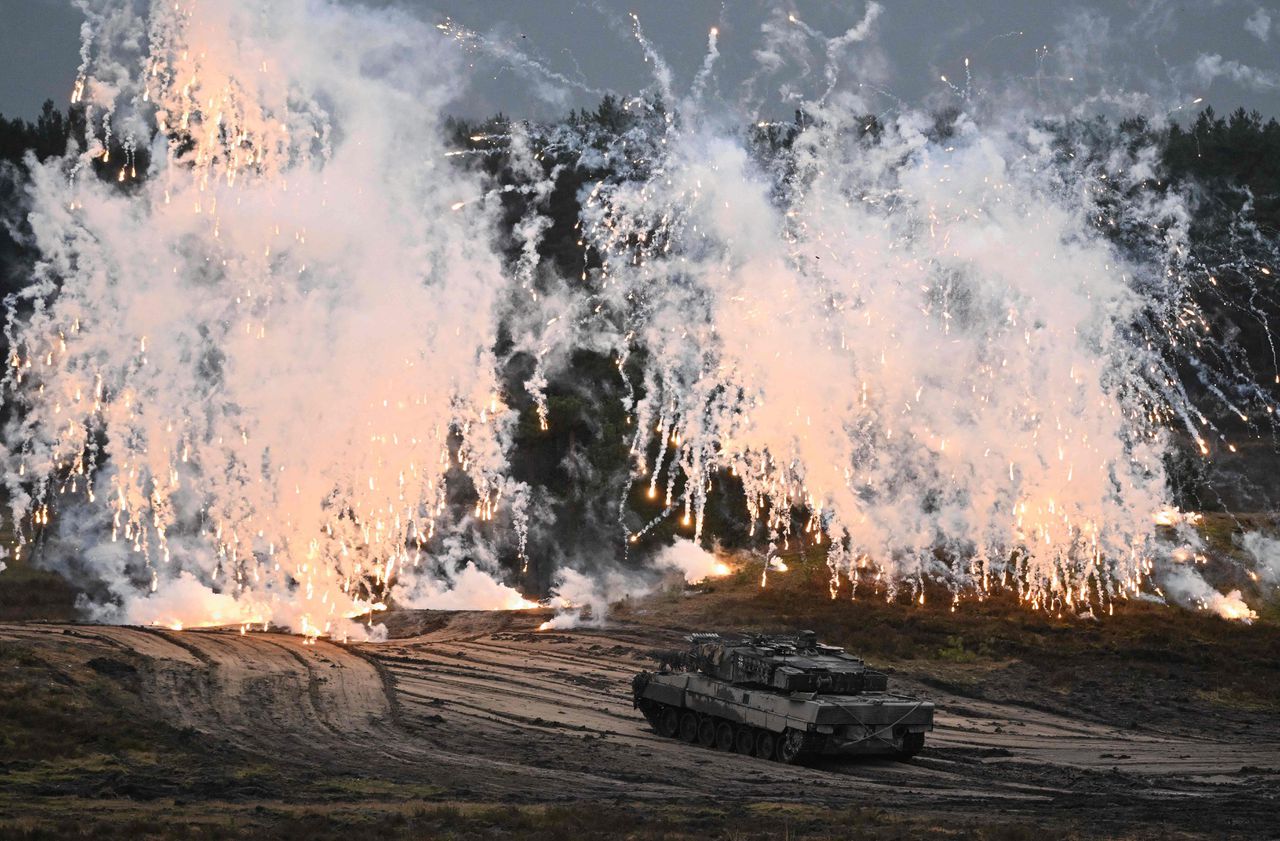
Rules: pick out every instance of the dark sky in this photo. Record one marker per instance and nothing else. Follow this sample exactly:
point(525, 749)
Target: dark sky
point(1068, 54)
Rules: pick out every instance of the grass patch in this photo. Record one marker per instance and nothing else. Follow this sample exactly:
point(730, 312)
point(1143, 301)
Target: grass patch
point(74, 722)
point(1241, 700)
point(956, 652)
point(373, 787)
point(53, 709)
point(730, 822)
point(28, 592)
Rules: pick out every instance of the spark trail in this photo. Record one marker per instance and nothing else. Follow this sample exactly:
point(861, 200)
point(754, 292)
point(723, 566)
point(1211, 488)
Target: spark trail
point(261, 363)
point(257, 383)
point(923, 344)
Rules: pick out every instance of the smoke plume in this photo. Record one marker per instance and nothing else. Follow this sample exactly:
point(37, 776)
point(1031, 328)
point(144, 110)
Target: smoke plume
point(278, 346)
point(261, 381)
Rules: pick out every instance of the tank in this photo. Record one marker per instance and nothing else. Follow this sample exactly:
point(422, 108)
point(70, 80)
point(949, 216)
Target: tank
point(779, 696)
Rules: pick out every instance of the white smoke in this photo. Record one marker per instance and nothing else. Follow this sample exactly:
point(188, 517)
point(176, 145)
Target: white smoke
point(185, 601)
point(585, 598)
point(922, 346)
point(260, 368)
point(581, 598)
point(564, 620)
point(468, 589)
point(1183, 584)
point(1266, 554)
point(1258, 24)
point(278, 333)
point(694, 563)
point(1210, 66)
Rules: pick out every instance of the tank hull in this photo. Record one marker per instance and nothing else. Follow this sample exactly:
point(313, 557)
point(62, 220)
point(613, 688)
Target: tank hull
point(812, 723)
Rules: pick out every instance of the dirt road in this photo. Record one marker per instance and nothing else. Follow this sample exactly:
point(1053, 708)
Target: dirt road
point(486, 708)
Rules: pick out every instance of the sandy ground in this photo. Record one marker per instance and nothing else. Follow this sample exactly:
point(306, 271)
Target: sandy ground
point(485, 707)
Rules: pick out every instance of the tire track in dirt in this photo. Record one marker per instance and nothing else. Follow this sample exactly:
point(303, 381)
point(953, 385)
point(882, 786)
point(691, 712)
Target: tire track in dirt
point(486, 708)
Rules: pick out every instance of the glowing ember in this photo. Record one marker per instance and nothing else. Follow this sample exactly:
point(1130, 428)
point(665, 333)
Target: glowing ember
point(1172, 517)
point(1231, 606)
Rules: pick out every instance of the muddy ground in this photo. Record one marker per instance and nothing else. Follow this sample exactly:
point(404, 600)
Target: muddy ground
point(1154, 723)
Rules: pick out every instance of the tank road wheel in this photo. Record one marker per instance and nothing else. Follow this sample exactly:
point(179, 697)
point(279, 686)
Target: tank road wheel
point(689, 727)
point(744, 740)
point(669, 722)
point(789, 746)
point(724, 736)
point(707, 732)
point(765, 743)
point(912, 743)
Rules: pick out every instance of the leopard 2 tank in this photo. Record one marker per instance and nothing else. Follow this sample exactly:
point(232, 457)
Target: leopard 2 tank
point(778, 696)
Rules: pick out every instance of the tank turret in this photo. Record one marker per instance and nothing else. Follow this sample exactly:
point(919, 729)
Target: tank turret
point(785, 662)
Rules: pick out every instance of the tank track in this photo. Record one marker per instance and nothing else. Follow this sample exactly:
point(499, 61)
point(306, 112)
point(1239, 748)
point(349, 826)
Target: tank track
point(721, 734)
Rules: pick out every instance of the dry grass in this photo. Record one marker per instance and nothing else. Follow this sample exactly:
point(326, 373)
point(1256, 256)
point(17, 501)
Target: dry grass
point(218, 821)
point(30, 593)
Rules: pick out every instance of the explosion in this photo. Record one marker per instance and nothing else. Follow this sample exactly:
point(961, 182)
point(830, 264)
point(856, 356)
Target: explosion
point(262, 363)
point(256, 382)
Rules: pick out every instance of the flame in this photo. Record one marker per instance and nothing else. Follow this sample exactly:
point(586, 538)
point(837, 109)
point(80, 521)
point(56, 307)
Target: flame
point(1172, 517)
point(1232, 607)
point(360, 608)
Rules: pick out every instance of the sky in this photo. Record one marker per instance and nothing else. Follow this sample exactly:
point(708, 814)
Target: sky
point(538, 58)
